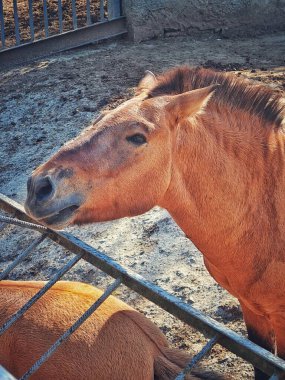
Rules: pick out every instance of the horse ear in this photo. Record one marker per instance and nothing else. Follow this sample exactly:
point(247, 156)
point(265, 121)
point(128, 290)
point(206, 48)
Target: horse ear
point(147, 82)
point(190, 103)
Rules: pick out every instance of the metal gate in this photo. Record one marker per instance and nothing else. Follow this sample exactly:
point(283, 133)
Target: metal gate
point(35, 28)
point(235, 343)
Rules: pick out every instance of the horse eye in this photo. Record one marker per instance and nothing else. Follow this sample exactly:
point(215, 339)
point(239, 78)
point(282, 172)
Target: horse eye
point(137, 139)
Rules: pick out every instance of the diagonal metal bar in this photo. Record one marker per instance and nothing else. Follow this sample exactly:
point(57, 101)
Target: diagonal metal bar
point(22, 256)
point(38, 295)
point(5, 375)
point(207, 348)
point(73, 328)
point(234, 342)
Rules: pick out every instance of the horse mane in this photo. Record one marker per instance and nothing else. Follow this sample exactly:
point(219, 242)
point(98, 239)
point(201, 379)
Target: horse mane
point(236, 92)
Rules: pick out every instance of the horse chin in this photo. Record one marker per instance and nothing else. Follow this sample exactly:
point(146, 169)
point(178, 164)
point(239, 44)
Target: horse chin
point(61, 219)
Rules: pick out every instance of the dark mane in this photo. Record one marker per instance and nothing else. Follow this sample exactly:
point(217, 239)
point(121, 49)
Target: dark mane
point(236, 92)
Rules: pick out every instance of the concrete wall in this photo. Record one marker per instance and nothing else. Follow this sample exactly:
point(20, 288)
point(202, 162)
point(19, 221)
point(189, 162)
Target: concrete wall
point(155, 18)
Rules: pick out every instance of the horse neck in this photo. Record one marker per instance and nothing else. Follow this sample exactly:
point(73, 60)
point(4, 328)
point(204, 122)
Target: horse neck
point(220, 184)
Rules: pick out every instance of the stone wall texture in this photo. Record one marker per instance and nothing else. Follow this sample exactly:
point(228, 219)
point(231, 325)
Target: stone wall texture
point(156, 18)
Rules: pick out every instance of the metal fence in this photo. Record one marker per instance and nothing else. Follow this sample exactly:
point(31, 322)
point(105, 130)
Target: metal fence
point(34, 28)
point(260, 358)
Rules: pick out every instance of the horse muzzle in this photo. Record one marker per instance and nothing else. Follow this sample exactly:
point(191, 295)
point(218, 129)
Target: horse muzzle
point(49, 201)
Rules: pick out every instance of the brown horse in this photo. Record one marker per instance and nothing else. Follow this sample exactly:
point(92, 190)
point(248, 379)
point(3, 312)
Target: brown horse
point(210, 148)
point(115, 343)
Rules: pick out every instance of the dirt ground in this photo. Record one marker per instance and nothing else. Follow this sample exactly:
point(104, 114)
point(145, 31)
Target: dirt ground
point(48, 102)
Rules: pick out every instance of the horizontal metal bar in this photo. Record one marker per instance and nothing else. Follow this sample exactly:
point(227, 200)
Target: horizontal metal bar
point(39, 294)
point(205, 350)
point(62, 42)
point(21, 223)
point(22, 256)
point(259, 357)
point(73, 328)
point(5, 375)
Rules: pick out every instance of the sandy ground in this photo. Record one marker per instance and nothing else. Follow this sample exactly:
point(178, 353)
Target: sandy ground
point(50, 101)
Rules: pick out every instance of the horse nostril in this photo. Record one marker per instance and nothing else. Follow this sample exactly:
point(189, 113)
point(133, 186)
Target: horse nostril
point(44, 189)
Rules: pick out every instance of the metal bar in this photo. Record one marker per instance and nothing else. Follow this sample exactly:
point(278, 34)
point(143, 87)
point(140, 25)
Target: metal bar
point(73, 328)
point(38, 295)
point(62, 42)
point(16, 21)
point(5, 375)
point(31, 20)
point(274, 377)
point(259, 357)
point(2, 24)
point(60, 16)
point(74, 17)
point(45, 18)
point(102, 11)
point(17, 222)
point(88, 15)
point(207, 348)
point(22, 256)
point(114, 9)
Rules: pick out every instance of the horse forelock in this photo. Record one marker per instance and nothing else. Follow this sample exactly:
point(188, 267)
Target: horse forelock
point(238, 93)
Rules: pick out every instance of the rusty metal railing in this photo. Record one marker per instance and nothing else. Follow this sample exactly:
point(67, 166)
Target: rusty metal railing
point(232, 341)
point(24, 38)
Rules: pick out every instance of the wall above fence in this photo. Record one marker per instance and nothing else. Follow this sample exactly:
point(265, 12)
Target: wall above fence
point(156, 18)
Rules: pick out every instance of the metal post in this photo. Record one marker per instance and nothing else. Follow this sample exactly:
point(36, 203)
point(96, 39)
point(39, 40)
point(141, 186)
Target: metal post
point(60, 16)
point(31, 20)
point(16, 20)
point(102, 11)
point(45, 18)
point(74, 17)
point(88, 16)
point(2, 24)
point(114, 9)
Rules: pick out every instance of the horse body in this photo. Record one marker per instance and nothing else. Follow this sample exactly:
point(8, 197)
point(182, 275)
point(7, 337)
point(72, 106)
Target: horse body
point(213, 156)
point(116, 342)
point(241, 240)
